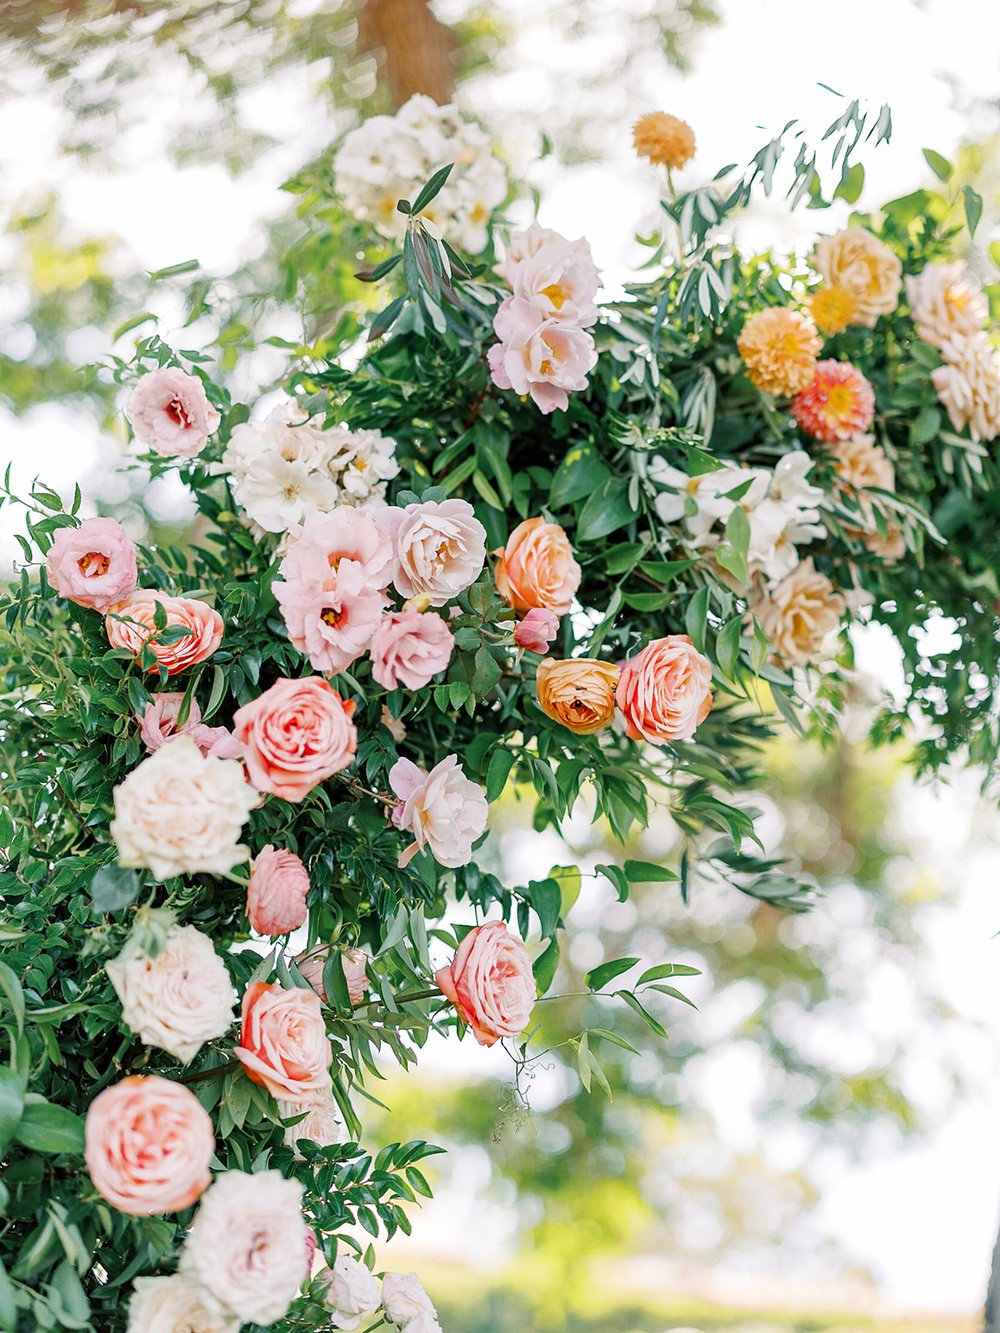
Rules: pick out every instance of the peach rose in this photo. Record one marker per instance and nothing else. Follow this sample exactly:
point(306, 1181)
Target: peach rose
point(537, 630)
point(945, 304)
point(158, 724)
point(283, 1042)
point(664, 692)
point(858, 261)
point(276, 893)
point(132, 626)
point(170, 413)
point(295, 736)
point(799, 614)
point(92, 565)
point(490, 983)
point(440, 549)
point(443, 810)
point(536, 568)
point(579, 692)
point(410, 648)
point(148, 1145)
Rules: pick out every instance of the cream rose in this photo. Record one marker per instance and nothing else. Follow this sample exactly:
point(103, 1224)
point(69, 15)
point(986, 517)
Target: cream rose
point(968, 385)
point(352, 1293)
point(799, 614)
point(283, 1042)
point(405, 1301)
point(490, 983)
point(440, 550)
point(320, 1124)
point(443, 809)
point(175, 1304)
point(945, 304)
point(858, 261)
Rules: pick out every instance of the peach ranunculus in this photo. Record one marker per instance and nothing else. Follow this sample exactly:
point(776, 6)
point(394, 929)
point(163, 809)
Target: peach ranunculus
point(132, 625)
point(968, 385)
point(665, 691)
point(443, 809)
point(440, 549)
point(175, 1304)
point(148, 1145)
point(295, 735)
point(536, 568)
point(537, 630)
point(158, 724)
point(858, 261)
point(945, 304)
point(410, 648)
point(578, 692)
point(283, 1042)
point(490, 983)
point(170, 413)
point(92, 565)
point(779, 348)
point(540, 357)
point(353, 961)
point(799, 614)
point(276, 893)
point(557, 275)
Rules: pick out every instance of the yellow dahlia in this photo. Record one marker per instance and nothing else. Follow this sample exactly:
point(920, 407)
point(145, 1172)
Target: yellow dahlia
point(779, 348)
point(833, 308)
point(837, 404)
point(664, 140)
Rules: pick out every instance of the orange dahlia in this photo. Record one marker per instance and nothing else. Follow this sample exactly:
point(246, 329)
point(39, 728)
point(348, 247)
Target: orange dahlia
point(664, 140)
point(779, 348)
point(837, 404)
point(833, 308)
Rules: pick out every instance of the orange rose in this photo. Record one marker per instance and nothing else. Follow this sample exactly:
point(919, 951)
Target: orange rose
point(536, 568)
point(578, 692)
point(664, 691)
point(132, 625)
point(283, 1041)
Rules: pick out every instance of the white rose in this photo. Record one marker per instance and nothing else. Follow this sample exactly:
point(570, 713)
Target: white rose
point(424, 1323)
point(178, 1000)
point(181, 813)
point(352, 1293)
point(175, 1305)
point(404, 1299)
point(247, 1244)
point(322, 1124)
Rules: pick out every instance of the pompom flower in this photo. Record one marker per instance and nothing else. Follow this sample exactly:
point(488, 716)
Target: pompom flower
point(579, 692)
point(833, 307)
point(663, 139)
point(968, 385)
point(779, 348)
point(490, 983)
point(945, 304)
point(837, 404)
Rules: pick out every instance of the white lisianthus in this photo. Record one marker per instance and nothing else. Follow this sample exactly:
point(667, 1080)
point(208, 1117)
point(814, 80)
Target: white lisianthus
point(175, 1305)
point(405, 1302)
point(352, 1293)
point(322, 1124)
point(181, 813)
point(178, 999)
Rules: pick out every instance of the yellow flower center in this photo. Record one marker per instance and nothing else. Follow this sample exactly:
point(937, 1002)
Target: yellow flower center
point(331, 617)
point(94, 564)
point(556, 294)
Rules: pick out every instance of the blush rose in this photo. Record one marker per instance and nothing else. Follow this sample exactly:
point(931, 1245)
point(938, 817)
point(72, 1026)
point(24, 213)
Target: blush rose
point(664, 693)
point(410, 648)
point(295, 735)
point(132, 625)
point(170, 413)
point(443, 809)
point(490, 983)
point(283, 1042)
point(93, 565)
point(276, 893)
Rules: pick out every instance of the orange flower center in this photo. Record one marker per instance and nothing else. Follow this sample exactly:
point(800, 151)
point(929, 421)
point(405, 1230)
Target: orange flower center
point(93, 564)
point(331, 617)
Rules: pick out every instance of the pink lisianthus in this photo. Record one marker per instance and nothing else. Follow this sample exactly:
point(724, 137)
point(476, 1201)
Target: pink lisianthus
point(318, 547)
point(443, 810)
point(538, 356)
point(537, 630)
point(490, 983)
point(170, 413)
point(276, 893)
point(331, 622)
point(158, 724)
point(92, 565)
point(410, 648)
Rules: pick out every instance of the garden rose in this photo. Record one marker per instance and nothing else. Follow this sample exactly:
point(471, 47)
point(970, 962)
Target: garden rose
point(968, 385)
point(148, 1145)
point(178, 999)
point(331, 622)
point(180, 813)
point(443, 810)
point(321, 1125)
point(245, 1245)
point(664, 692)
point(92, 565)
point(352, 1293)
point(779, 348)
point(406, 1304)
point(579, 692)
point(440, 549)
point(170, 413)
point(858, 261)
point(799, 614)
point(536, 568)
point(158, 724)
point(410, 648)
point(945, 304)
point(175, 1304)
point(537, 630)
point(554, 274)
point(132, 625)
point(296, 735)
point(490, 983)
point(283, 1041)
point(355, 967)
point(541, 357)
point(276, 893)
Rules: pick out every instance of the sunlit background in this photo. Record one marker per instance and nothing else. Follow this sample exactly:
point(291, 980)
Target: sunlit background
point(818, 1144)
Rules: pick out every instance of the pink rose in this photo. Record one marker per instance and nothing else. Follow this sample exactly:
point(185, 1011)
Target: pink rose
point(92, 565)
point(296, 735)
point(536, 568)
point(276, 893)
point(353, 961)
point(443, 810)
point(664, 693)
point(539, 356)
point(554, 274)
point(170, 413)
point(537, 630)
point(148, 1145)
point(409, 648)
point(440, 549)
point(132, 625)
point(490, 983)
point(283, 1042)
point(331, 622)
point(158, 724)
point(323, 541)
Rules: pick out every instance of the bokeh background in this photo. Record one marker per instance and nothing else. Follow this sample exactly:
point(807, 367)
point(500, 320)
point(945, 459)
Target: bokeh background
point(817, 1147)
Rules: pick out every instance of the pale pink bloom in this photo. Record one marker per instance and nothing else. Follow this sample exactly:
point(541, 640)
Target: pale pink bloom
point(410, 648)
point(968, 385)
point(443, 810)
point(405, 1301)
point(353, 961)
point(158, 724)
point(175, 1304)
point(311, 964)
point(322, 1124)
point(490, 983)
point(276, 893)
point(945, 304)
point(352, 1293)
point(537, 630)
point(554, 274)
point(295, 735)
point(539, 356)
point(331, 622)
point(283, 1042)
point(323, 541)
point(170, 413)
point(92, 565)
point(440, 549)
point(665, 692)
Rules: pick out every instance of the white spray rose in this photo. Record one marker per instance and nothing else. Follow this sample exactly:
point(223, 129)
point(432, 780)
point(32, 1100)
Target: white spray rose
point(175, 1305)
point(405, 1301)
point(352, 1293)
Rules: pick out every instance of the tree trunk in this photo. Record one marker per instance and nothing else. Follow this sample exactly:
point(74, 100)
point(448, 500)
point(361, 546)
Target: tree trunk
point(414, 51)
point(991, 1317)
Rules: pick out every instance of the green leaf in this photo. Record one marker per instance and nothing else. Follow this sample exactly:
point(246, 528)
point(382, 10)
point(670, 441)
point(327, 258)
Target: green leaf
point(431, 189)
point(46, 1127)
point(11, 1105)
point(599, 977)
point(11, 987)
point(498, 771)
point(674, 994)
point(486, 674)
point(546, 899)
point(696, 618)
point(617, 877)
point(941, 167)
point(738, 531)
point(727, 646)
point(570, 882)
point(662, 970)
point(174, 270)
point(973, 207)
point(8, 1302)
point(114, 888)
point(545, 965)
point(131, 324)
point(335, 982)
point(852, 182)
point(647, 872)
point(608, 508)
point(579, 474)
point(615, 1040)
point(653, 1023)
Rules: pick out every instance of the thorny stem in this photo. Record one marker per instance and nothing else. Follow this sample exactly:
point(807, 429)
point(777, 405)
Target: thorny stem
point(383, 797)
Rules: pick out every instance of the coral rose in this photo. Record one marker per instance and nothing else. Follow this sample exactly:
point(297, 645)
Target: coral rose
point(410, 648)
point(858, 261)
point(440, 549)
point(148, 1145)
point(175, 1304)
point(838, 403)
point(92, 565)
point(779, 348)
point(536, 568)
point(276, 893)
point(295, 735)
point(283, 1042)
point(158, 724)
point(490, 983)
point(799, 614)
point(578, 692)
point(664, 693)
point(443, 809)
point(945, 304)
point(968, 385)
point(170, 413)
point(663, 140)
point(537, 630)
point(132, 626)
point(352, 1293)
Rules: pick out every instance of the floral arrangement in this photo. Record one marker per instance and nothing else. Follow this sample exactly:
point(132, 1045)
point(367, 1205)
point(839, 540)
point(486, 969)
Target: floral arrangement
point(586, 549)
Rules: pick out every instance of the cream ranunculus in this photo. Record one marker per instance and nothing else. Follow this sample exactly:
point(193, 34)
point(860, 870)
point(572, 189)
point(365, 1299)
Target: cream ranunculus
point(857, 261)
point(181, 813)
point(799, 614)
point(945, 304)
point(175, 1304)
point(352, 1293)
